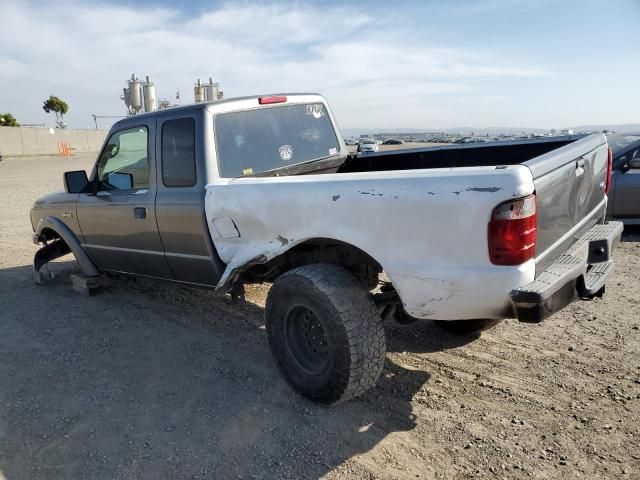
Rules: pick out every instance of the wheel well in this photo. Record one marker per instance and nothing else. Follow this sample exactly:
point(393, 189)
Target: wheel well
point(49, 234)
point(319, 250)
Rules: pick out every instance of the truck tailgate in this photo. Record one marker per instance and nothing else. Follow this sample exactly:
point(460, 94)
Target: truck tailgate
point(570, 187)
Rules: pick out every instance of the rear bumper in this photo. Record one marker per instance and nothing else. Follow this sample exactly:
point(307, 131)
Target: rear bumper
point(580, 272)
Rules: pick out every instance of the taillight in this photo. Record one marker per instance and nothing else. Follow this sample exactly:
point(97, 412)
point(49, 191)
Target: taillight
point(513, 231)
point(609, 170)
point(273, 99)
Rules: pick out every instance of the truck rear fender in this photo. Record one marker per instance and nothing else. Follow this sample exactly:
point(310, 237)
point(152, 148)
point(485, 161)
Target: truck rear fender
point(291, 253)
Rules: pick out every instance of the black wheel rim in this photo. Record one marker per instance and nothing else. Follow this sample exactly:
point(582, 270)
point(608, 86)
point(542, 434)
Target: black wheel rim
point(306, 340)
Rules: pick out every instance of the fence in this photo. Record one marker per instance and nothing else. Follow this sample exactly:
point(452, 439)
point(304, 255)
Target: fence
point(19, 141)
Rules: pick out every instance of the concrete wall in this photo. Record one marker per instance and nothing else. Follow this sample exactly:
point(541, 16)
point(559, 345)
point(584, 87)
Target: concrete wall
point(17, 141)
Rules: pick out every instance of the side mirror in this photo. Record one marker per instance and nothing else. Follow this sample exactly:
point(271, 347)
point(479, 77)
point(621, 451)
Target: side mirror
point(634, 164)
point(75, 181)
point(121, 181)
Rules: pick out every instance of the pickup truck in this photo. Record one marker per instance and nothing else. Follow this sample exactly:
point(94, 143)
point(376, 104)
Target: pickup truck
point(262, 189)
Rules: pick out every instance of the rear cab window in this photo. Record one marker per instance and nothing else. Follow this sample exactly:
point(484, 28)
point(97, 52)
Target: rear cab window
point(179, 153)
point(256, 141)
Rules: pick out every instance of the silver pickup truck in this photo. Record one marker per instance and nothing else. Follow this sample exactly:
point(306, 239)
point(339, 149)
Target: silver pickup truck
point(263, 189)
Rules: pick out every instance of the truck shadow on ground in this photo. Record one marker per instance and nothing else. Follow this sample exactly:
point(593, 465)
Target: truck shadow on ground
point(631, 233)
point(423, 336)
point(153, 380)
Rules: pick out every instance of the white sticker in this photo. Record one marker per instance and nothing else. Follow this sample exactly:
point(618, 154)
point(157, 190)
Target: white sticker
point(333, 151)
point(286, 152)
point(316, 109)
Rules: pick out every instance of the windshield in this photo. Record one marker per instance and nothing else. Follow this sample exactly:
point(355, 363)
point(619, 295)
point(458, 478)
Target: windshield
point(619, 142)
point(254, 141)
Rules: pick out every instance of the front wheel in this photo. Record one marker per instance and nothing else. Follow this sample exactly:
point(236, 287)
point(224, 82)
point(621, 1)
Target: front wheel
point(325, 333)
point(467, 327)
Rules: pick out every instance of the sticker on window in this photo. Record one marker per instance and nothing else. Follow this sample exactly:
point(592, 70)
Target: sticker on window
point(247, 171)
point(316, 109)
point(286, 152)
point(333, 151)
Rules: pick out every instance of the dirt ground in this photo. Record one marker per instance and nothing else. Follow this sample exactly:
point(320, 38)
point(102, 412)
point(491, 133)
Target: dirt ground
point(153, 380)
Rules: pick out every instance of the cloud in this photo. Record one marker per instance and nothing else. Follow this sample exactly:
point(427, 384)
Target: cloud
point(84, 53)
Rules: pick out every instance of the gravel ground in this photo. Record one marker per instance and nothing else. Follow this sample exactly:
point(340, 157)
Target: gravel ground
point(153, 380)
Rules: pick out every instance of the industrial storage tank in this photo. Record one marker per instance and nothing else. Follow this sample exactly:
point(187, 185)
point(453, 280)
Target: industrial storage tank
point(125, 96)
point(135, 93)
point(149, 93)
point(199, 92)
point(211, 90)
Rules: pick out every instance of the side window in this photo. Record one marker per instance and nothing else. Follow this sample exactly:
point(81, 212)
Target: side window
point(179, 153)
point(124, 164)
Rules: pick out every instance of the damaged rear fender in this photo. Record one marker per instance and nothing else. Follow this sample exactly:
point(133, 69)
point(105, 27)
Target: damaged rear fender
point(247, 256)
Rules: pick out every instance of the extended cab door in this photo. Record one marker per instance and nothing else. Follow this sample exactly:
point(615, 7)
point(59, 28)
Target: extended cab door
point(181, 167)
point(118, 222)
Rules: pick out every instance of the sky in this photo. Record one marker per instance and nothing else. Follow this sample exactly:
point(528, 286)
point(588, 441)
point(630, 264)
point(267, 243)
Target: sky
point(423, 64)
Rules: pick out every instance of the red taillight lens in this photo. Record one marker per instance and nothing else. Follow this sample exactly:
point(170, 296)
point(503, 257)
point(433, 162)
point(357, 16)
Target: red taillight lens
point(513, 231)
point(609, 170)
point(274, 99)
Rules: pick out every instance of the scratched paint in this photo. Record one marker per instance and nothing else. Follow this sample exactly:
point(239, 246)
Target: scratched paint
point(283, 241)
point(484, 189)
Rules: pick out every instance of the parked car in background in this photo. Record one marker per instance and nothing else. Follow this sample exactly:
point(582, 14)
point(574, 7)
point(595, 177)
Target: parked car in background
point(392, 141)
point(350, 141)
point(367, 146)
point(624, 196)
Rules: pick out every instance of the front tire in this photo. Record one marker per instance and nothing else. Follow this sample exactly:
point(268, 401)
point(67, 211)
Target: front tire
point(325, 333)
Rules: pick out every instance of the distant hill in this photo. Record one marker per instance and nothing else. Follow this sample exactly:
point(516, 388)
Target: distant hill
point(355, 132)
point(625, 127)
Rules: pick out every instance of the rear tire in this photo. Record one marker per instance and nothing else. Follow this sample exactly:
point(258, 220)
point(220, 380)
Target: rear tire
point(325, 333)
point(467, 327)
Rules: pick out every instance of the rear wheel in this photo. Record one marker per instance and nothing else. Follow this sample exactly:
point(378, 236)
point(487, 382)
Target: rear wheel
point(467, 327)
point(325, 333)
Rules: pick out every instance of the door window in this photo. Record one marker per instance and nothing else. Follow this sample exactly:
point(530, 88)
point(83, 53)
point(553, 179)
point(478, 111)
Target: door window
point(179, 153)
point(124, 162)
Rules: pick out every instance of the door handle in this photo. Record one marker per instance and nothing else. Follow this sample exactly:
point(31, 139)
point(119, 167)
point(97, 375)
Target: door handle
point(579, 167)
point(140, 212)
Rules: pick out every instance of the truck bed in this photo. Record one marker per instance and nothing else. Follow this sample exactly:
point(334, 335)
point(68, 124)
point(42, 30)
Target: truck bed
point(568, 173)
point(422, 213)
point(451, 156)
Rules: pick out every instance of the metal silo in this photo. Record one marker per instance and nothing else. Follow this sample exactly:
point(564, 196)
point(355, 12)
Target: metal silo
point(211, 90)
point(149, 93)
point(135, 93)
point(199, 92)
point(125, 96)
